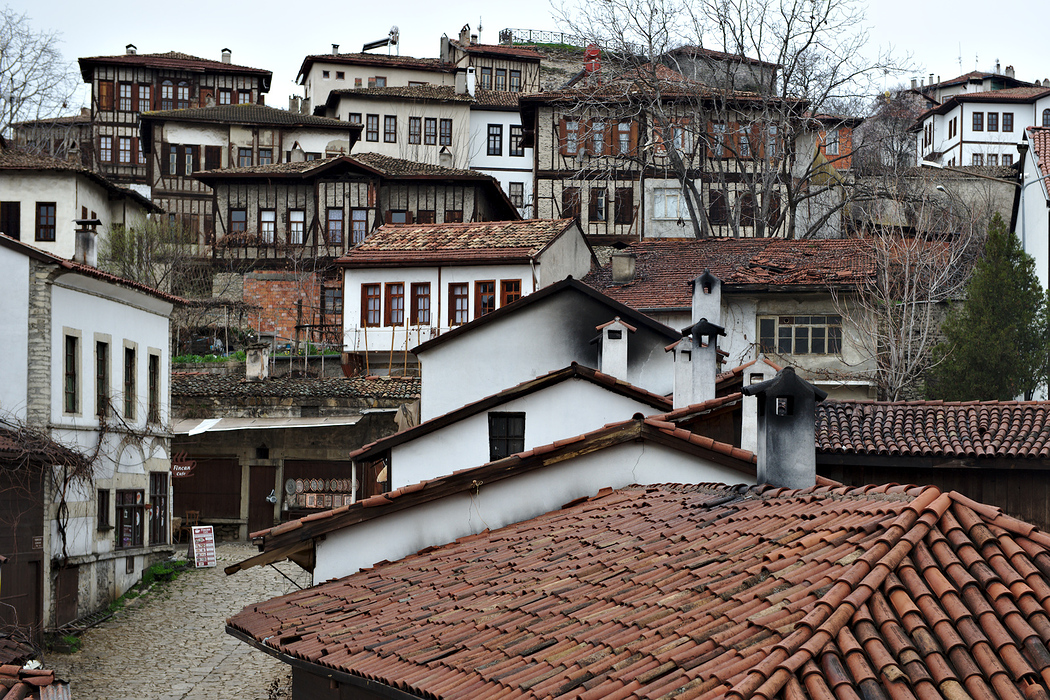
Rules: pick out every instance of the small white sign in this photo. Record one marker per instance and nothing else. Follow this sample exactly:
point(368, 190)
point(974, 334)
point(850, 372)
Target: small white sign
point(203, 546)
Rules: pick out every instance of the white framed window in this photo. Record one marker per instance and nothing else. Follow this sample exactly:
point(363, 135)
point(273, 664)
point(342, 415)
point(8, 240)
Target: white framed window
point(831, 143)
point(296, 226)
point(267, 225)
point(667, 203)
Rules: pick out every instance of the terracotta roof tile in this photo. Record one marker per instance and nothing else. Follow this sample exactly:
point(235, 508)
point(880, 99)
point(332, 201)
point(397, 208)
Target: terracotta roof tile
point(427, 243)
point(1039, 141)
point(668, 590)
point(665, 268)
point(246, 114)
point(522, 52)
point(420, 93)
point(187, 384)
point(935, 428)
point(171, 60)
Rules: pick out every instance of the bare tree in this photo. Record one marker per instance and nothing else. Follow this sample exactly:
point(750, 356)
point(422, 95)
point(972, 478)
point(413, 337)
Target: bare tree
point(35, 81)
point(740, 117)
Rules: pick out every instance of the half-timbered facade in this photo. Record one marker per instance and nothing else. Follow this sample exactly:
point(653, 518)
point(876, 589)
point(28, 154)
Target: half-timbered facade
point(124, 86)
point(500, 67)
point(180, 143)
point(293, 219)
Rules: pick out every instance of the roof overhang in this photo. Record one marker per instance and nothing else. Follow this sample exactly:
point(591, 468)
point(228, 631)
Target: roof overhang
point(197, 426)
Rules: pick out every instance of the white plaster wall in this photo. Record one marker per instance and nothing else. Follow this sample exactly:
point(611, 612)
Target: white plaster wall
point(479, 135)
point(1034, 228)
point(458, 112)
point(317, 87)
point(316, 141)
point(505, 177)
point(196, 135)
point(570, 408)
point(78, 303)
point(403, 338)
point(540, 338)
point(14, 329)
point(568, 255)
point(509, 501)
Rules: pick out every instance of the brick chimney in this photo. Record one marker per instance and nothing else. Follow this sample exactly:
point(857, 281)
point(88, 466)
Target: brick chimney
point(85, 249)
point(787, 454)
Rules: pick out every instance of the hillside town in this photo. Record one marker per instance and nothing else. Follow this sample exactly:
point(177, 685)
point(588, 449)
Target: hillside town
point(550, 368)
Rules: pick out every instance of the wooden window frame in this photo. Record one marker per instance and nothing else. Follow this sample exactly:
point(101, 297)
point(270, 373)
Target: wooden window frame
point(11, 219)
point(372, 128)
point(245, 157)
point(781, 334)
point(515, 149)
point(153, 388)
point(515, 81)
point(144, 97)
point(46, 221)
point(415, 130)
point(445, 133)
point(182, 95)
point(426, 216)
point(598, 209)
point(371, 292)
point(131, 505)
point(976, 123)
point(167, 95)
point(484, 289)
point(101, 378)
point(130, 382)
point(501, 80)
point(265, 156)
point(458, 303)
point(225, 96)
point(389, 128)
point(570, 203)
point(71, 374)
point(267, 227)
point(1008, 159)
point(334, 234)
point(296, 227)
point(1008, 122)
point(495, 140)
point(105, 149)
point(358, 216)
point(516, 194)
point(430, 132)
point(125, 102)
point(106, 96)
point(486, 78)
point(102, 521)
point(353, 117)
point(125, 151)
point(569, 136)
point(509, 292)
point(212, 157)
point(506, 434)
point(238, 215)
point(992, 123)
point(159, 495)
point(394, 304)
point(453, 216)
point(420, 304)
point(977, 159)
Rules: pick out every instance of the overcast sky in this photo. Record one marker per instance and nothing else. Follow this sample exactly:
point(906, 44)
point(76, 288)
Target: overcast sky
point(277, 35)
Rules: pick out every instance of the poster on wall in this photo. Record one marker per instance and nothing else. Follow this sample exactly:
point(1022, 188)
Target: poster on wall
point(203, 546)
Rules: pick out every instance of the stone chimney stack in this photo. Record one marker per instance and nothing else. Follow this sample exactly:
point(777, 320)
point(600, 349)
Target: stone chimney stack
point(227, 56)
point(683, 373)
point(131, 49)
point(1010, 72)
point(464, 35)
point(445, 157)
point(704, 358)
point(622, 267)
point(257, 362)
point(787, 454)
point(914, 83)
point(612, 348)
point(85, 250)
point(707, 298)
point(754, 373)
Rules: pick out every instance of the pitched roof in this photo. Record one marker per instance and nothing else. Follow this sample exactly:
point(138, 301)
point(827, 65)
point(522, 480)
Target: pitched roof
point(495, 99)
point(467, 243)
point(695, 591)
point(573, 371)
point(172, 60)
point(296, 534)
point(435, 65)
point(975, 75)
point(15, 159)
point(32, 684)
point(421, 93)
point(86, 270)
point(1039, 142)
point(524, 53)
point(1021, 95)
point(247, 114)
point(617, 308)
point(666, 267)
point(377, 163)
point(721, 55)
point(983, 429)
point(188, 384)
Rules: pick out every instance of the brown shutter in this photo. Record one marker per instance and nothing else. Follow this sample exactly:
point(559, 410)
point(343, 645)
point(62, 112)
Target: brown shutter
point(388, 217)
point(634, 137)
point(611, 131)
point(212, 157)
point(408, 217)
point(135, 150)
point(592, 208)
point(135, 97)
point(562, 137)
point(180, 160)
point(196, 158)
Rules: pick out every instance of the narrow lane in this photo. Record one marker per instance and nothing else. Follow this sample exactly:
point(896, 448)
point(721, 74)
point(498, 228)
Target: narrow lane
point(172, 644)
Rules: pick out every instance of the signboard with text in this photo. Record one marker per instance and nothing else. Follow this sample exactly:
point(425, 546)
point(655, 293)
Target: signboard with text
point(203, 546)
point(182, 466)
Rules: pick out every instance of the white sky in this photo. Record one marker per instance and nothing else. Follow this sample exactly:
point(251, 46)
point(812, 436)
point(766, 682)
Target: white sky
point(277, 35)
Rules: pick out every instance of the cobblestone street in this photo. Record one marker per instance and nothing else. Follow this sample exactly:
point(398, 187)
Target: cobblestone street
point(172, 643)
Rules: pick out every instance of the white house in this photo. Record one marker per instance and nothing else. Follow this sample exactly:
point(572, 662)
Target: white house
point(41, 197)
point(1031, 221)
point(87, 364)
point(497, 146)
point(407, 284)
point(980, 128)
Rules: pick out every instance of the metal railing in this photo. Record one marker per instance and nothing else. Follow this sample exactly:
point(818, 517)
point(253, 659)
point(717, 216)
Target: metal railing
point(540, 36)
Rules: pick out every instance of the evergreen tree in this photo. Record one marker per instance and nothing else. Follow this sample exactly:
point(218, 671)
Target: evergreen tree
point(996, 342)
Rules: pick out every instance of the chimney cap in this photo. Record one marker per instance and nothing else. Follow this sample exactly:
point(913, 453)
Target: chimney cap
point(784, 384)
point(702, 328)
point(83, 223)
point(706, 280)
point(131, 49)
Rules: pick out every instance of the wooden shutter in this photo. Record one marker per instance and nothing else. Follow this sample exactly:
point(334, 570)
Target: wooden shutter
point(212, 157)
point(562, 140)
point(135, 150)
point(196, 157)
point(624, 205)
point(135, 97)
point(592, 208)
point(634, 137)
point(180, 160)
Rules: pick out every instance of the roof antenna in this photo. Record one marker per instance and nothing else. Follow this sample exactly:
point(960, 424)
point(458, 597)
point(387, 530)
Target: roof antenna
point(479, 29)
point(960, 57)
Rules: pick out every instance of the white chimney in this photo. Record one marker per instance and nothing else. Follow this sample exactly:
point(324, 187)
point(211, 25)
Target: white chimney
point(704, 358)
point(471, 80)
point(612, 348)
point(787, 454)
point(914, 83)
point(707, 298)
point(683, 373)
point(131, 49)
point(85, 249)
point(335, 49)
point(1010, 72)
point(754, 373)
point(445, 157)
point(622, 267)
point(257, 362)
point(227, 55)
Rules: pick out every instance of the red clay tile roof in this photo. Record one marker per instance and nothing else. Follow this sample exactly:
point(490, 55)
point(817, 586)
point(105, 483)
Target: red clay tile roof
point(172, 60)
point(495, 99)
point(387, 166)
point(696, 591)
point(975, 74)
point(721, 55)
point(423, 93)
point(8, 242)
point(1010, 95)
point(31, 684)
point(1016, 429)
point(435, 65)
point(1039, 142)
point(187, 384)
point(525, 53)
point(246, 114)
point(654, 429)
point(16, 159)
point(573, 371)
point(665, 267)
point(468, 243)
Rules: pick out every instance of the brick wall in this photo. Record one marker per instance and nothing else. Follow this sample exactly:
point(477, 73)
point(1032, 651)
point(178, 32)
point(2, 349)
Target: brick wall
point(276, 294)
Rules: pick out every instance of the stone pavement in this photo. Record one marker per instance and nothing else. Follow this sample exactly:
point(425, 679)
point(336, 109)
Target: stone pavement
point(172, 643)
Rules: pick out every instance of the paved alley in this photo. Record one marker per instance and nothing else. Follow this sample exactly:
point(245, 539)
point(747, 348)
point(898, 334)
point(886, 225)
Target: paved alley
point(172, 644)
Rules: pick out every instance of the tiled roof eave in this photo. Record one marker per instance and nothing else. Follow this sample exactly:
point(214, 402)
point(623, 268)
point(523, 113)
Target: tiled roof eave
point(367, 259)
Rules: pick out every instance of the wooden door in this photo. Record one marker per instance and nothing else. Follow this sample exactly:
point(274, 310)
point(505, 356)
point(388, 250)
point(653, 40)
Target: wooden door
point(262, 480)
